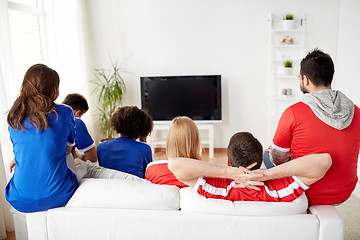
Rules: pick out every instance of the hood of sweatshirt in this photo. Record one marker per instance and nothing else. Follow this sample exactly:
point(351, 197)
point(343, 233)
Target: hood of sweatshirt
point(331, 106)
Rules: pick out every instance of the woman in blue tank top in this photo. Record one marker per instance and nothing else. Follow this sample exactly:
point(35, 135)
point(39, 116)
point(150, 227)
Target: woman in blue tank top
point(42, 134)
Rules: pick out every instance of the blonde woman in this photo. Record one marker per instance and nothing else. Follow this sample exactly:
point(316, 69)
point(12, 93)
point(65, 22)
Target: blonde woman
point(183, 141)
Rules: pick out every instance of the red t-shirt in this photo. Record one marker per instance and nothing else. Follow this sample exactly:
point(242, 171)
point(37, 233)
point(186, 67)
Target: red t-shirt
point(159, 173)
point(304, 133)
point(276, 190)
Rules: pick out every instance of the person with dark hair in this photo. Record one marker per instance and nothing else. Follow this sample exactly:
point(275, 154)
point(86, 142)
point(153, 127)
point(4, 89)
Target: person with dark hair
point(283, 183)
point(324, 121)
point(125, 153)
point(42, 133)
point(244, 150)
point(83, 141)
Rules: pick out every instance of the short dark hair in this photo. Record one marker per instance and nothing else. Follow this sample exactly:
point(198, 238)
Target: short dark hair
point(244, 149)
point(77, 102)
point(132, 122)
point(318, 67)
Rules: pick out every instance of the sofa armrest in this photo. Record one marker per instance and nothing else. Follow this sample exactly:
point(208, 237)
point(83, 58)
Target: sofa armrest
point(331, 223)
point(37, 225)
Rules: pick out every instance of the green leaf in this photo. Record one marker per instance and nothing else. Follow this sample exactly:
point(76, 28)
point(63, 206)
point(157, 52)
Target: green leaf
point(110, 86)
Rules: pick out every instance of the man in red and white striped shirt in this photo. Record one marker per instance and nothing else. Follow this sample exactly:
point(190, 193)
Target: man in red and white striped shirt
point(283, 183)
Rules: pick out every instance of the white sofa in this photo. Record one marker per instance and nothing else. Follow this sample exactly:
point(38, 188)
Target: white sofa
point(123, 209)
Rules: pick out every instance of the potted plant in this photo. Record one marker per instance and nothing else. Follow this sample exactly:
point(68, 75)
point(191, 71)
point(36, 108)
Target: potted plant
point(288, 69)
point(288, 22)
point(111, 87)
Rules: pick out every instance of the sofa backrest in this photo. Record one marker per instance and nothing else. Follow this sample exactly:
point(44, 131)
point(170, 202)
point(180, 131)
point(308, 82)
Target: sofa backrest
point(127, 194)
point(194, 202)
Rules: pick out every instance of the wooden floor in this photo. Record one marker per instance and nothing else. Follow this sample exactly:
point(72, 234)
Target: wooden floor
point(10, 236)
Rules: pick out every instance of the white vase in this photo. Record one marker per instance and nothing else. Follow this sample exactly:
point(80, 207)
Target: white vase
point(288, 24)
point(288, 71)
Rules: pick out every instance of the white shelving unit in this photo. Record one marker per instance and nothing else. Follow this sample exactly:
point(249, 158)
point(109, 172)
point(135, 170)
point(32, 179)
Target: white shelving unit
point(278, 82)
point(159, 134)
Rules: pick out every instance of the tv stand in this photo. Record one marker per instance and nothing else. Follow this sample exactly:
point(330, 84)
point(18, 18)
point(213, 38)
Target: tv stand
point(159, 134)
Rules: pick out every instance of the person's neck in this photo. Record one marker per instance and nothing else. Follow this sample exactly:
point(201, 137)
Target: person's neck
point(122, 135)
point(315, 89)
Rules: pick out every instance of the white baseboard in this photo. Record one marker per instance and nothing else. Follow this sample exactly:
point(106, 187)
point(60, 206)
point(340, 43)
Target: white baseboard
point(356, 191)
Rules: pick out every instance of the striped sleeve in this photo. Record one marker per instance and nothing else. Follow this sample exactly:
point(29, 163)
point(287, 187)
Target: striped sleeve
point(278, 190)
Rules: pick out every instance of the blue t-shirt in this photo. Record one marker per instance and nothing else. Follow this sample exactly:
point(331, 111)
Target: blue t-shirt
point(125, 154)
point(42, 179)
point(83, 140)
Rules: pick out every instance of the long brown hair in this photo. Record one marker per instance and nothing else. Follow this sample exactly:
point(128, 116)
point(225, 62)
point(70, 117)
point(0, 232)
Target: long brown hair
point(39, 89)
point(183, 139)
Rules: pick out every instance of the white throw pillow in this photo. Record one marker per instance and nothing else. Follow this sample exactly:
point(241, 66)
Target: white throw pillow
point(125, 194)
point(194, 202)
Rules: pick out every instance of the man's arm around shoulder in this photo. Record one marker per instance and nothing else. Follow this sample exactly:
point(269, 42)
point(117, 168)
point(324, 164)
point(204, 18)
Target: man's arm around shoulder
point(189, 170)
point(308, 169)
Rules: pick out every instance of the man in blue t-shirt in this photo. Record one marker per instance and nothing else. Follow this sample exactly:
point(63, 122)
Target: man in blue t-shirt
point(84, 145)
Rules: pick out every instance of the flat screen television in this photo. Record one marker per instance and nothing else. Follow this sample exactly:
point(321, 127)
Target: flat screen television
point(166, 97)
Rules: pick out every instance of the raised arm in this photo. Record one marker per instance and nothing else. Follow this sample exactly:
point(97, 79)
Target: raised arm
point(189, 170)
point(279, 157)
point(308, 169)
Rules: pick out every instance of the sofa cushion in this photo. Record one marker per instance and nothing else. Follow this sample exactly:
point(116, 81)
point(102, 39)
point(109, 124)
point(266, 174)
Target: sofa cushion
point(194, 202)
point(116, 193)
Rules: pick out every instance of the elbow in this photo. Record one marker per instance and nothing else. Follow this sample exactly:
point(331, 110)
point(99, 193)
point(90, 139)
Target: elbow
point(326, 162)
point(279, 157)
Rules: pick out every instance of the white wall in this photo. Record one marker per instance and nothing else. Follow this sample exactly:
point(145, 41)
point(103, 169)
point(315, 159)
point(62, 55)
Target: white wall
point(183, 37)
point(348, 61)
point(348, 51)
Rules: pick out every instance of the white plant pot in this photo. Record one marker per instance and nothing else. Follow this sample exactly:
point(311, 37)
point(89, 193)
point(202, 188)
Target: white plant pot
point(288, 24)
point(288, 71)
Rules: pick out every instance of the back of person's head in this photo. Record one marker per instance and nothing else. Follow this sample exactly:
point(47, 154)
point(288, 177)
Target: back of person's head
point(183, 139)
point(244, 149)
point(318, 67)
point(39, 89)
point(76, 102)
point(132, 122)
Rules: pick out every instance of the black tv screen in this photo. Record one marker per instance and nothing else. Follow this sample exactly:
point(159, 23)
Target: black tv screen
point(166, 97)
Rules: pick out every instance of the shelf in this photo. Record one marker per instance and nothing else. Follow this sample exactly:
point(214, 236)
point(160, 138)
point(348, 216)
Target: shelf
point(288, 46)
point(289, 77)
point(278, 79)
point(282, 61)
point(285, 97)
point(298, 30)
